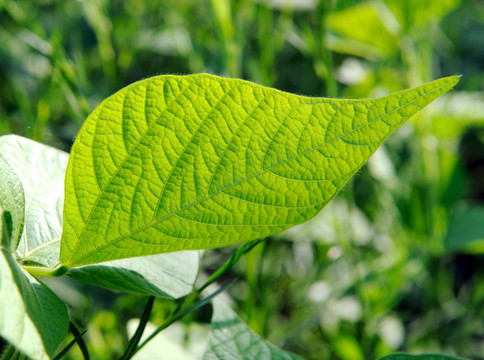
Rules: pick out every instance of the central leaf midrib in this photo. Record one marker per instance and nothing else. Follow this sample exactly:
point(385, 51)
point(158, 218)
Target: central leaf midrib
point(151, 224)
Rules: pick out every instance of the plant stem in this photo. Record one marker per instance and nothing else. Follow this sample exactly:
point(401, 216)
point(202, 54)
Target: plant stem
point(53, 272)
point(190, 303)
point(77, 338)
point(244, 249)
point(8, 353)
point(183, 309)
point(133, 343)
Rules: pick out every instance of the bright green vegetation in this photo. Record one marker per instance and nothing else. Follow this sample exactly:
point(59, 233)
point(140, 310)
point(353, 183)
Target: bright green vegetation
point(175, 163)
point(196, 162)
point(393, 263)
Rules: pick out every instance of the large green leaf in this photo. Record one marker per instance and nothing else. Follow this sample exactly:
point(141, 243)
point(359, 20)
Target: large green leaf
point(418, 357)
point(231, 339)
point(189, 162)
point(165, 275)
point(41, 170)
point(32, 318)
point(12, 206)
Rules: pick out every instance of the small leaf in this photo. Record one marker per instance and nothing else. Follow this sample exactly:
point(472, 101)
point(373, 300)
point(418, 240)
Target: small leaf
point(231, 338)
point(32, 318)
point(466, 231)
point(12, 205)
point(166, 275)
point(41, 170)
point(190, 162)
point(419, 357)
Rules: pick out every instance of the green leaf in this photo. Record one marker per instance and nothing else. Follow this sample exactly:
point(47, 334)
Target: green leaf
point(354, 31)
point(12, 205)
point(466, 231)
point(166, 275)
point(419, 357)
point(230, 338)
point(41, 170)
point(32, 318)
point(189, 162)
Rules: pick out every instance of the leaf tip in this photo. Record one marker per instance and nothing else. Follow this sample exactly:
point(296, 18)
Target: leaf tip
point(452, 80)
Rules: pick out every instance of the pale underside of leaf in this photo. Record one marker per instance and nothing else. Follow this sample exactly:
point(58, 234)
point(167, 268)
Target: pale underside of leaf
point(231, 339)
point(190, 162)
point(164, 275)
point(41, 170)
point(12, 206)
point(32, 318)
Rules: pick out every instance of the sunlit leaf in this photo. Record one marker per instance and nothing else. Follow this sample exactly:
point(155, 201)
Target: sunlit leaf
point(189, 162)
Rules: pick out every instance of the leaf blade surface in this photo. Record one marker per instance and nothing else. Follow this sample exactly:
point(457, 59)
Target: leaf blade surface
point(164, 275)
point(41, 170)
point(12, 206)
point(188, 162)
point(231, 339)
point(32, 318)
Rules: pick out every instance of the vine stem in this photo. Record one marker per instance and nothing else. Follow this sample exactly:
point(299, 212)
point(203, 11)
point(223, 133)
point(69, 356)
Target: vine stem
point(80, 342)
point(52, 272)
point(190, 303)
point(133, 343)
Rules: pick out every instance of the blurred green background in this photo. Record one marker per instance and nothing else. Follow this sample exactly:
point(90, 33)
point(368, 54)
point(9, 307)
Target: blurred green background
point(393, 263)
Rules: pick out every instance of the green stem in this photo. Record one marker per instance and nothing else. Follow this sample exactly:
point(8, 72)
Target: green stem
point(191, 303)
point(53, 272)
point(182, 310)
point(244, 249)
point(77, 338)
point(133, 343)
point(9, 353)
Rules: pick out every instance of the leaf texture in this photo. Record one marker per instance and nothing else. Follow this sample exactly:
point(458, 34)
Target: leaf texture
point(163, 275)
point(32, 318)
point(189, 162)
point(231, 339)
point(41, 171)
point(12, 206)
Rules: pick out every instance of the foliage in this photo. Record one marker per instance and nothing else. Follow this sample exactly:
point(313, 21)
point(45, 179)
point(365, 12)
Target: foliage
point(381, 269)
point(131, 141)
